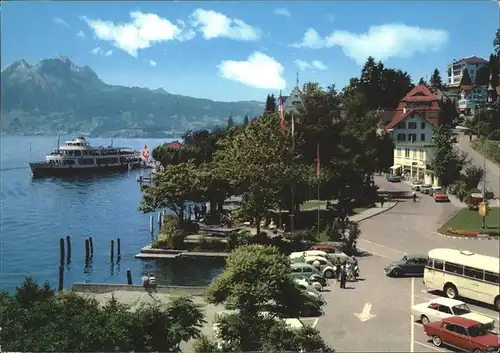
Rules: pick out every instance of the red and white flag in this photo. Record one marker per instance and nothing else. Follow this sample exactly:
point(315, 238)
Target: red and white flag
point(317, 162)
point(282, 112)
point(145, 152)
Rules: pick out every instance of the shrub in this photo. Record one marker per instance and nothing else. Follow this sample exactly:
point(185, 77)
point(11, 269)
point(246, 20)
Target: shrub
point(459, 189)
point(211, 244)
point(171, 236)
point(190, 227)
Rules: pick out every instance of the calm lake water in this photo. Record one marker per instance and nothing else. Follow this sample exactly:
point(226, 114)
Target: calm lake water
point(36, 213)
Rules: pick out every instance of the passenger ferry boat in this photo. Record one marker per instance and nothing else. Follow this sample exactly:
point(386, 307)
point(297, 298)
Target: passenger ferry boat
point(78, 157)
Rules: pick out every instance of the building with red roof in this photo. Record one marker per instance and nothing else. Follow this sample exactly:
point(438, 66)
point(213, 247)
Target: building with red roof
point(174, 145)
point(412, 127)
point(457, 67)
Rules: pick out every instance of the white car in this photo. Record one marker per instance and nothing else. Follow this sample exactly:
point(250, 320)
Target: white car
point(325, 266)
point(416, 185)
point(441, 308)
point(309, 289)
point(330, 257)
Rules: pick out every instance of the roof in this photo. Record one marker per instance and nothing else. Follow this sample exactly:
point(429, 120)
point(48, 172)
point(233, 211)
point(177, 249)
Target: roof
point(174, 144)
point(462, 321)
point(467, 258)
point(418, 94)
point(471, 60)
point(447, 301)
point(401, 115)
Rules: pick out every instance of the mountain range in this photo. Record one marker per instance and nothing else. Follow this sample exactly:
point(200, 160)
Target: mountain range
point(56, 97)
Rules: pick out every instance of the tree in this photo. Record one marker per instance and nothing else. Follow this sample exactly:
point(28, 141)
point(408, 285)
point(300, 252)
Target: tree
point(246, 120)
point(494, 69)
point(230, 122)
point(466, 80)
point(422, 81)
point(496, 42)
point(447, 162)
point(436, 81)
point(448, 114)
point(270, 103)
point(172, 188)
point(473, 175)
point(483, 76)
point(256, 275)
point(34, 319)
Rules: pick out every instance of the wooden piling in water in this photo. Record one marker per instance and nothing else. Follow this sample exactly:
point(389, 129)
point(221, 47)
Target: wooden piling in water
point(91, 242)
point(111, 254)
point(68, 246)
point(61, 251)
point(60, 281)
point(151, 224)
point(129, 277)
point(87, 249)
point(118, 246)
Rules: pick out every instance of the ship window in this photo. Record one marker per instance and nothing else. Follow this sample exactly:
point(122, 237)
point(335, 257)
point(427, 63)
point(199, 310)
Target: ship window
point(78, 153)
point(69, 162)
point(86, 161)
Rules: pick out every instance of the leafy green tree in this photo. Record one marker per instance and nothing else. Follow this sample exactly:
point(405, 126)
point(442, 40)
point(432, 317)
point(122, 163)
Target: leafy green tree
point(230, 122)
point(256, 275)
point(172, 188)
point(254, 162)
point(270, 104)
point(436, 81)
point(447, 162)
point(473, 175)
point(261, 334)
point(34, 319)
point(466, 80)
point(422, 81)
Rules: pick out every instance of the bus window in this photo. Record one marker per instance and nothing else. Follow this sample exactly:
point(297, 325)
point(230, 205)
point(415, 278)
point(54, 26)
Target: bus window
point(473, 273)
point(454, 268)
point(438, 264)
point(491, 277)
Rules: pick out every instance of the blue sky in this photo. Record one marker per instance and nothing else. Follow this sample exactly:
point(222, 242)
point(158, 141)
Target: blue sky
point(245, 50)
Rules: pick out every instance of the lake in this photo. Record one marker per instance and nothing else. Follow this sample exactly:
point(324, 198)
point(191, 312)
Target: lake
point(36, 213)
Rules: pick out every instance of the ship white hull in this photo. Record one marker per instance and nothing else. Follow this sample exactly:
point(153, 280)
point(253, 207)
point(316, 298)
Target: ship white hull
point(42, 169)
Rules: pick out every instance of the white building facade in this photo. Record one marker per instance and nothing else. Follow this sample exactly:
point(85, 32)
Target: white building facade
point(457, 67)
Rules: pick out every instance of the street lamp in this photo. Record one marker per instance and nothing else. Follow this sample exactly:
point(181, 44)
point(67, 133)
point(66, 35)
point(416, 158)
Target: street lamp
point(484, 165)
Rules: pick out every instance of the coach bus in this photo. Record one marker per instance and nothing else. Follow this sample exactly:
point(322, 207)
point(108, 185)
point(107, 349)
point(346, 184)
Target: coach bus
point(465, 274)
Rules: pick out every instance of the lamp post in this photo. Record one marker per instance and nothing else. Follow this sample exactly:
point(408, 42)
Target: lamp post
point(484, 166)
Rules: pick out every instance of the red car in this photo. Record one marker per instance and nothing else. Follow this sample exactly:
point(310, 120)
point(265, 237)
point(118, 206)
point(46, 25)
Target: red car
point(329, 249)
point(464, 334)
point(441, 196)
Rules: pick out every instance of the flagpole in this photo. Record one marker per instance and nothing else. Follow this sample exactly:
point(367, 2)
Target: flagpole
point(317, 176)
point(292, 215)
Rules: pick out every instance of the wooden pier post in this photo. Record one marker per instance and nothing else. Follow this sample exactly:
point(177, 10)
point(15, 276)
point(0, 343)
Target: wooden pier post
point(60, 281)
point(68, 245)
point(118, 248)
point(129, 277)
point(111, 254)
point(151, 224)
point(61, 250)
point(91, 246)
point(87, 250)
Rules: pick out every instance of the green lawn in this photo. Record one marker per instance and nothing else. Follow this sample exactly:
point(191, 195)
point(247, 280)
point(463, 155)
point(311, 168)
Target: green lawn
point(311, 205)
point(470, 220)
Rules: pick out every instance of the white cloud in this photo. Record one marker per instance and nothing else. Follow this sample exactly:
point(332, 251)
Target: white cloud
point(152, 63)
point(282, 12)
point(80, 34)
point(214, 25)
point(259, 70)
point(99, 51)
point(315, 65)
point(59, 21)
point(144, 31)
point(381, 42)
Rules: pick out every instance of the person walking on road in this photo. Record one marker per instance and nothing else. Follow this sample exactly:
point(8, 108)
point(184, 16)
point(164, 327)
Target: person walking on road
point(414, 196)
point(343, 277)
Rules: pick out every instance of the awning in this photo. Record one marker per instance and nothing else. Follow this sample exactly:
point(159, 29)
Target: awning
point(394, 167)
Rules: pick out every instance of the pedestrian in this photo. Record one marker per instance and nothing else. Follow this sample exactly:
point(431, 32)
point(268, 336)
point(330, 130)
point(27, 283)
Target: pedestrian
point(196, 212)
point(203, 210)
point(343, 277)
point(382, 200)
point(338, 265)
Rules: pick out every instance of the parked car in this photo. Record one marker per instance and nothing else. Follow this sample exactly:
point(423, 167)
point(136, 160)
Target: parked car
point(412, 264)
point(435, 189)
point(300, 269)
point(329, 249)
point(425, 189)
point(332, 257)
point(416, 185)
point(442, 308)
point(441, 196)
point(304, 285)
point(462, 333)
point(325, 266)
point(393, 178)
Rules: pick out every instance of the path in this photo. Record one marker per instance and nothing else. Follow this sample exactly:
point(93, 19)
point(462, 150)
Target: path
point(477, 159)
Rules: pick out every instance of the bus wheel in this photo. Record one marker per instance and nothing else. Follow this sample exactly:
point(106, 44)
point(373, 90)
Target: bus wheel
point(497, 303)
point(451, 291)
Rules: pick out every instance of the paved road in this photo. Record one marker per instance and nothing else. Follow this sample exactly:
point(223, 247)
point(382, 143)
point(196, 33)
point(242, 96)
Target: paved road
point(407, 228)
point(492, 169)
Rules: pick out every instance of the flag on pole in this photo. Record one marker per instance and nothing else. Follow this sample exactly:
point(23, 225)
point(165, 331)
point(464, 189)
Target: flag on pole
point(282, 111)
point(317, 162)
